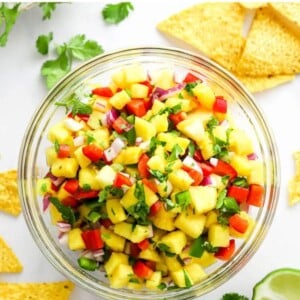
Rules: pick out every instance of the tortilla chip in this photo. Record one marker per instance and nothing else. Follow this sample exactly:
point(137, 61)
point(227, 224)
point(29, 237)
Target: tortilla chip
point(260, 83)
point(9, 263)
point(294, 183)
point(213, 28)
point(36, 291)
point(271, 49)
point(289, 14)
point(9, 197)
point(253, 5)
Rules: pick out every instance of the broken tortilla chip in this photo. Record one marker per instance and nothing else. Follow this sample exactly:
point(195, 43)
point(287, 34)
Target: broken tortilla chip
point(9, 197)
point(213, 28)
point(36, 291)
point(260, 83)
point(9, 263)
point(271, 49)
point(253, 5)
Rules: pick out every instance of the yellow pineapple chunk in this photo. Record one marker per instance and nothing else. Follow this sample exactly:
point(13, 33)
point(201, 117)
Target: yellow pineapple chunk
point(256, 173)
point(203, 198)
point(59, 133)
point(218, 235)
point(206, 146)
point(118, 79)
point(119, 99)
point(138, 90)
point(164, 79)
point(43, 186)
point(192, 128)
point(185, 104)
point(160, 122)
point(180, 179)
point(153, 282)
point(129, 155)
point(150, 254)
point(157, 107)
point(55, 215)
point(115, 211)
point(240, 142)
point(164, 219)
point(120, 276)
point(206, 259)
point(175, 241)
point(51, 156)
point(124, 229)
point(75, 241)
point(135, 73)
point(211, 218)
point(241, 164)
point(181, 278)
point(205, 95)
point(94, 120)
point(157, 163)
point(82, 160)
point(196, 272)
point(112, 240)
point(172, 263)
point(65, 167)
point(172, 140)
point(114, 261)
point(62, 193)
point(101, 137)
point(144, 129)
point(106, 176)
point(135, 233)
point(87, 176)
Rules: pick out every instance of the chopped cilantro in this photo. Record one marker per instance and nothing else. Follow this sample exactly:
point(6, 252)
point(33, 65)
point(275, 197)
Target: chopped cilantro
point(47, 8)
point(67, 212)
point(187, 279)
point(189, 87)
point(183, 199)
point(154, 142)
point(162, 286)
point(76, 106)
point(176, 151)
point(56, 146)
point(115, 13)
point(240, 181)
point(86, 187)
point(110, 190)
point(234, 296)
point(191, 149)
point(89, 138)
point(161, 177)
point(44, 188)
point(171, 110)
point(166, 249)
point(200, 245)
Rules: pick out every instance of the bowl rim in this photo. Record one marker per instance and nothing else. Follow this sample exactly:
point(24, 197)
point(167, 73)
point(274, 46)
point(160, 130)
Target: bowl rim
point(31, 216)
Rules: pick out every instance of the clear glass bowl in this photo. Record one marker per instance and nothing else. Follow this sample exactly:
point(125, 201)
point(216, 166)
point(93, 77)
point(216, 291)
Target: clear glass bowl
point(32, 165)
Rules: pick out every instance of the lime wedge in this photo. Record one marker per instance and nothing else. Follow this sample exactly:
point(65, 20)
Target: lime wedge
point(280, 284)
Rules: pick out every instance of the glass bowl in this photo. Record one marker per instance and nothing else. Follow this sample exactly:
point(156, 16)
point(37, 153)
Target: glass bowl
point(32, 165)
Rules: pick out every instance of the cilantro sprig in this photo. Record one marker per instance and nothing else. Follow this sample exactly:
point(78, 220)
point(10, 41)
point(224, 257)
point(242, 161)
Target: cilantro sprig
point(78, 47)
point(42, 43)
point(47, 9)
point(67, 212)
point(116, 13)
point(74, 105)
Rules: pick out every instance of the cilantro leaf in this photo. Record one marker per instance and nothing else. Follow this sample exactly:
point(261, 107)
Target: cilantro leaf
point(47, 8)
point(161, 177)
point(189, 87)
point(8, 18)
point(234, 296)
point(42, 43)
point(187, 279)
point(76, 106)
point(66, 212)
point(83, 49)
point(53, 70)
point(200, 245)
point(240, 181)
point(115, 13)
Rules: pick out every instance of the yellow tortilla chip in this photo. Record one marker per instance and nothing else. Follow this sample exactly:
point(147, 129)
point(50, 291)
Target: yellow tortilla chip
point(9, 197)
point(260, 83)
point(288, 13)
point(36, 291)
point(253, 5)
point(271, 49)
point(294, 183)
point(213, 28)
point(9, 263)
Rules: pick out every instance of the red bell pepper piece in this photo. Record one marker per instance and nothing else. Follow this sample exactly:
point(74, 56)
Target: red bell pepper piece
point(194, 174)
point(155, 208)
point(178, 117)
point(256, 194)
point(225, 253)
point(64, 151)
point(136, 107)
point(83, 117)
point(198, 156)
point(151, 264)
point(149, 85)
point(121, 180)
point(92, 239)
point(134, 250)
point(220, 105)
point(238, 223)
point(143, 167)
point(106, 222)
point(239, 193)
point(93, 152)
point(150, 184)
point(81, 194)
point(207, 169)
point(120, 124)
point(70, 201)
point(141, 270)
point(144, 244)
point(223, 168)
point(190, 78)
point(103, 92)
point(71, 186)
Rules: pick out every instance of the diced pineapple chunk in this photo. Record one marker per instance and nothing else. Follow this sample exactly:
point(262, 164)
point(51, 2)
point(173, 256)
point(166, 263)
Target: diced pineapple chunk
point(150, 196)
point(51, 156)
point(82, 160)
point(119, 99)
point(94, 120)
point(218, 235)
point(65, 167)
point(135, 73)
point(164, 220)
point(175, 241)
point(180, 179)
point(153, 282)
point(172, 263)
point(190, 224)
point(135, 233)
point(173, 140)
point(182, 278)
point(106, 176)
point(220, 132)
point(185, 104)
point(112, 240)
point(144, 129)
point(192, 128)
point(206, 259)
point(129, 155)
point(157, 163)
point(100, 106)
point(149, 254)
point(164, 79)
point(241, 164)
point(138, 90)
point(118, 79)
point(43, 186)
point(120, 276)
point(203, 198)
point(256, 173)
point(115, 211)
point(87, 177)
point(55, 215)
point(164, 188)
point(114, 261)
point(240, 142)
point(59, 133)
point(211, 218)
point(124, 229)
point(206, 146)
point(160, 122)
point(62, 193)
point(75, 241)
point(157, 107)
point(101, 137)
point(196, 272)
point(205, 95)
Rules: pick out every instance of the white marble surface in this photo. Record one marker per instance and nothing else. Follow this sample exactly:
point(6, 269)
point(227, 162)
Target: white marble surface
point(22, 89)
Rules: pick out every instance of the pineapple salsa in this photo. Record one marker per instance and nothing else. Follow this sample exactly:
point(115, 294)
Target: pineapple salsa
point(150, 180)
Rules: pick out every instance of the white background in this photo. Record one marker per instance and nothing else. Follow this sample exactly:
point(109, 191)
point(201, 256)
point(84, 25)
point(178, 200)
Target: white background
point(22, 89)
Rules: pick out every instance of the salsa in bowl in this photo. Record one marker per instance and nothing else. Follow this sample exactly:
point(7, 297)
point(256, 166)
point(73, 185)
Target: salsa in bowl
point(149, 173)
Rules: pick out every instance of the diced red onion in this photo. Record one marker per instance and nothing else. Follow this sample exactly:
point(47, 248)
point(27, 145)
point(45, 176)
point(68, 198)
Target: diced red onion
point(213, 161)
point(87, 253)
point(192, 163)
point(187, 260)
point(58, 181)
point(111, 116)
point(252, 156)
point(78, 140)
point(117, 145)
point(162, 94)
point(63, 226)
point(97, 253)
point(207, 180)
point(46, 202)
point(63, 238)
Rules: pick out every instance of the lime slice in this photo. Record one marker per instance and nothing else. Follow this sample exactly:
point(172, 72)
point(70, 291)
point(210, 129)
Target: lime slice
point(280, 284)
